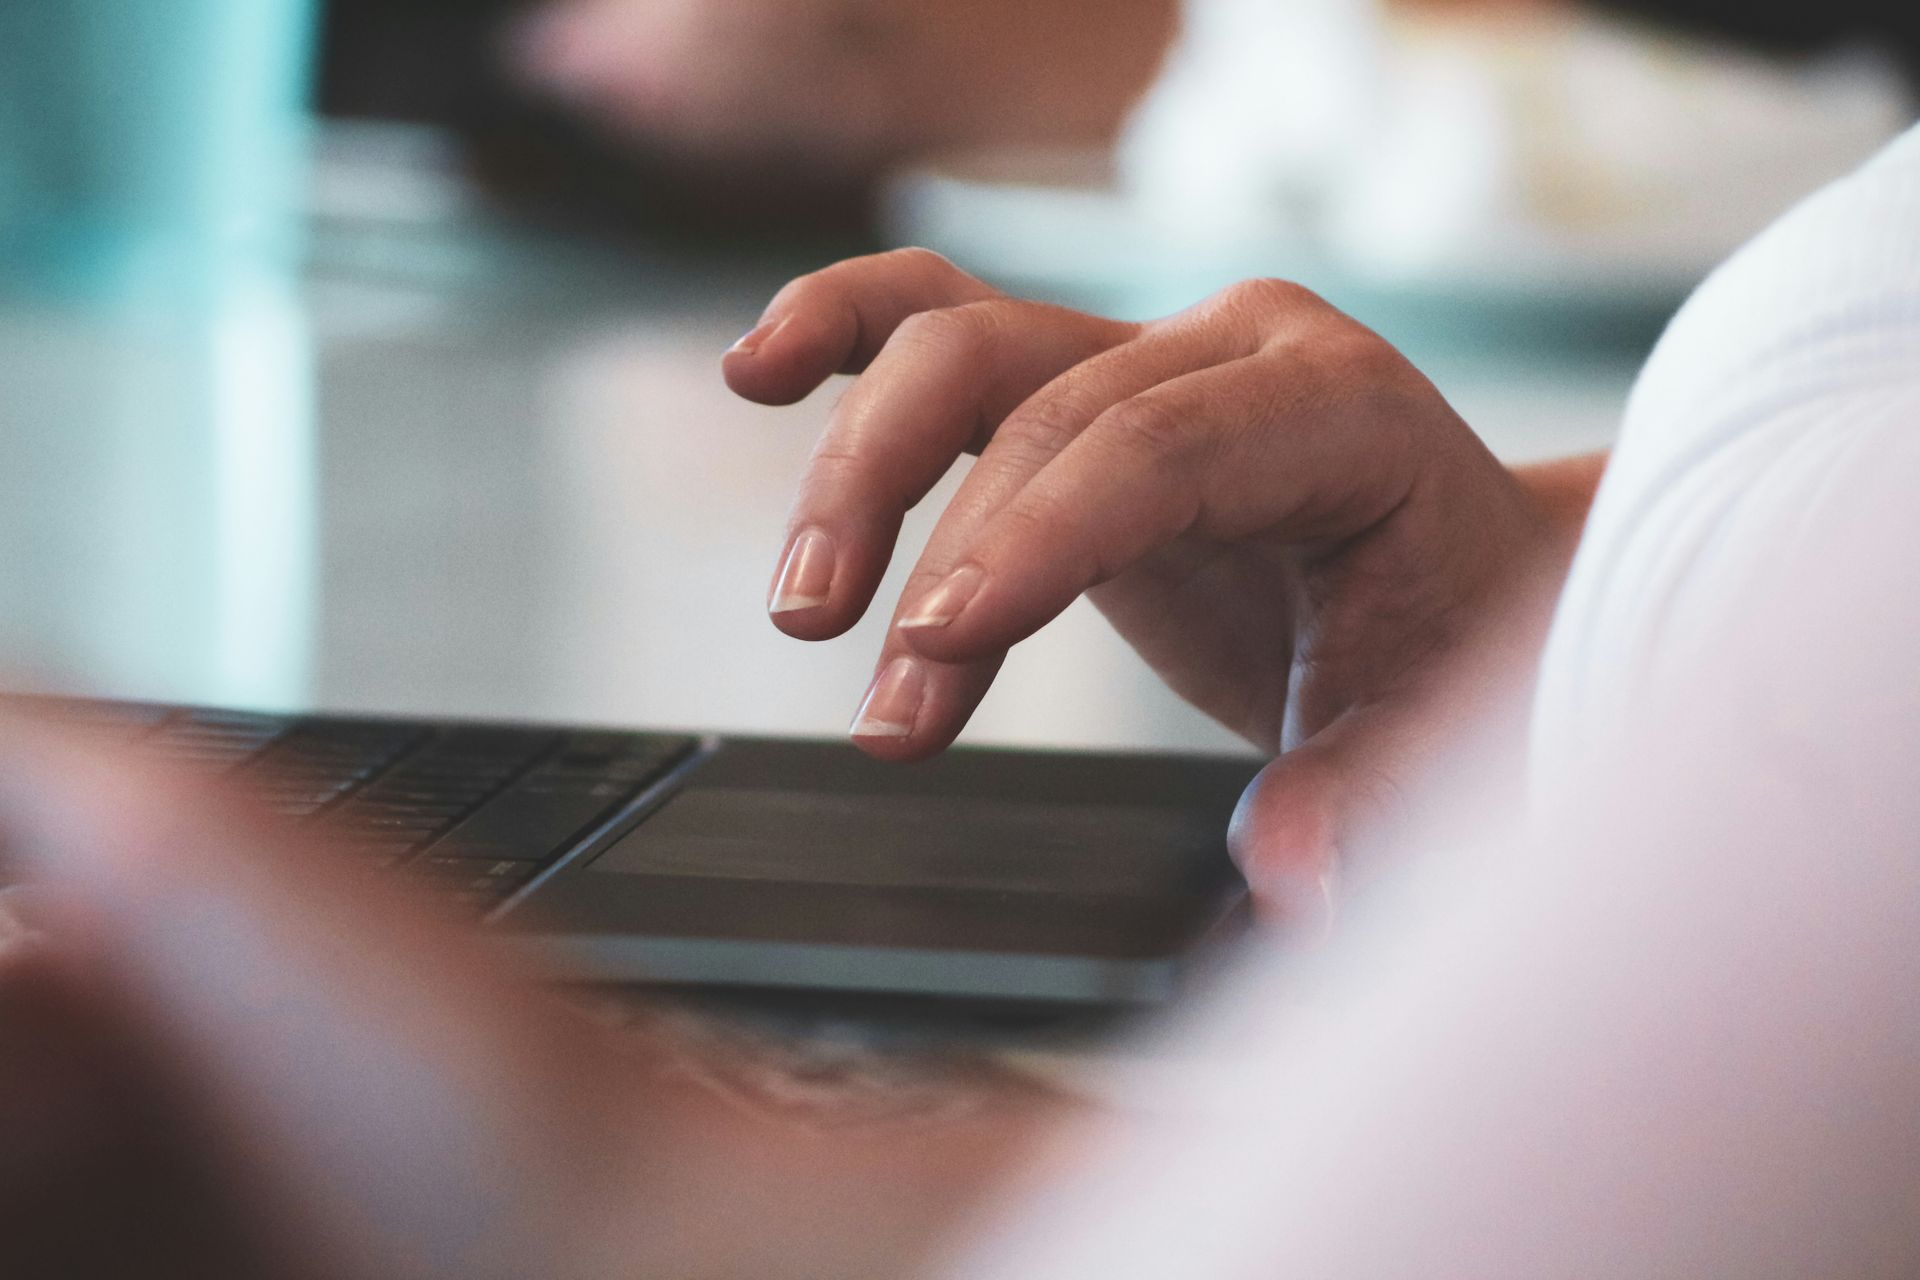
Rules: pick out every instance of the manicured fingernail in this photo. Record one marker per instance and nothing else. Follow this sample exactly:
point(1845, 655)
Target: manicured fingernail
point(893, 703)
point(806, 575)
point(944, 603)
point(751, 341)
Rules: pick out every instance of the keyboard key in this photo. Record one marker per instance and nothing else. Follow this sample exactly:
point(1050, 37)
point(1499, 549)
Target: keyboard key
point(522, 826)
point(591, 786)
point(445, 812)
point(474, 813)
point(474, 873)
point(297, 793)
point(293, 808)
point(414, 791)
point(549, 809)
point(209, 747)
point(385, 853)
point(617, 757)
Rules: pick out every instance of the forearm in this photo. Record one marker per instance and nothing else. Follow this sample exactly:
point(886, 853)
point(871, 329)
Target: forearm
point(1513, 623)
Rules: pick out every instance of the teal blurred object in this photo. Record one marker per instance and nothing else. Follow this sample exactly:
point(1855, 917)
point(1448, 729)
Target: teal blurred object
point(156, 374)
point(147, 146)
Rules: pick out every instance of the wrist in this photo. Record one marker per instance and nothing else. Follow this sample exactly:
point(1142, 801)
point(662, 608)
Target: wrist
point(1561, 491)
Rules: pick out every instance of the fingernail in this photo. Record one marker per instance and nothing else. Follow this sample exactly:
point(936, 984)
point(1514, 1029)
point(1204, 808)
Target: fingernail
point(944, 603)
point(751, 341)
point(893, 703)
point(805, 580)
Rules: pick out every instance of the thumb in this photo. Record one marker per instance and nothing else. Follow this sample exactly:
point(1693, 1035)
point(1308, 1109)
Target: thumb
point(1305, 818)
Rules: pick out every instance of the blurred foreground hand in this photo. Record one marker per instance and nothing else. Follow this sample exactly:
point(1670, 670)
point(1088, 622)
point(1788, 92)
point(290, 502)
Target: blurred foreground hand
point(223, 1055)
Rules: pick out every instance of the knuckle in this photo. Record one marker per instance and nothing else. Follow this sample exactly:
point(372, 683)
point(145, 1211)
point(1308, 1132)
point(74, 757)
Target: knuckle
point(1343, 359)
point(1031, 526)
point(966, 332)
point(1000, 314)
point(847, 276)
point(1372, 361)
point(1150, 428)
point(1340, 339)
point(918, 261)
point(1268, 296)
point(1043, 426)
point(949, 332)
point(850, 477)
point(836, 459)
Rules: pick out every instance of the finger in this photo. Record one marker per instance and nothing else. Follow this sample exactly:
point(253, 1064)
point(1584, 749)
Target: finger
point(837, 319)
point(1313, 811)
point(84, 1119)
point(917, 705)
point(1221, 331)
point(939, 388)
point(345, 1044)
point(1254, 446)
point(914, 708)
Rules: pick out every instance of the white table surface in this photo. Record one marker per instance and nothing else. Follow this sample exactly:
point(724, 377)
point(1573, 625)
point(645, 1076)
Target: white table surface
point(535, 498)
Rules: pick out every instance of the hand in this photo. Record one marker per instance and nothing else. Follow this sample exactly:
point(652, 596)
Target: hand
point(223, 1053)
point(1278, 512)
point(849, 84)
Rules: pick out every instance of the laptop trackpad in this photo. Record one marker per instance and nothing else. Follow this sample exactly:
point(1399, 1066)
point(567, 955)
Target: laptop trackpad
point(919, 841)
point(1031, 874)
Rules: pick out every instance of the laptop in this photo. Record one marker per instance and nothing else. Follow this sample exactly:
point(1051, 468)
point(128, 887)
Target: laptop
point(1022, 878)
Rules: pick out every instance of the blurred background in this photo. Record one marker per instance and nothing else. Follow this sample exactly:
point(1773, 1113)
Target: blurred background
point(364, 353)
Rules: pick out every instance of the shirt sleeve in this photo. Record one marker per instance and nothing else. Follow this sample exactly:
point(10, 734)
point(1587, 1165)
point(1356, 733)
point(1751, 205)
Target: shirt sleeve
point(1791, 364)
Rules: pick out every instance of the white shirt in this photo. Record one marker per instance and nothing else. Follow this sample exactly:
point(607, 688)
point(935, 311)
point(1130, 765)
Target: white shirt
point(1680, 1034)
point(1775, 393)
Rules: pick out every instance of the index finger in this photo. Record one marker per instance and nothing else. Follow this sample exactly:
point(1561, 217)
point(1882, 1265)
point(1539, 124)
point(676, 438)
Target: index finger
point(837, 319)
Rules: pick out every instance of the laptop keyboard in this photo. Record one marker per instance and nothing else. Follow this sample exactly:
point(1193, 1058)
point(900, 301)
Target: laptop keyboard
point(473, 813)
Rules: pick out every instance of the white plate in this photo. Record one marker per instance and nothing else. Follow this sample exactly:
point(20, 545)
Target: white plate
point(1055, 224)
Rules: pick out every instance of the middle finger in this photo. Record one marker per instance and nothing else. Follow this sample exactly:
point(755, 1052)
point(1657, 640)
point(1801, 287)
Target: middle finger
point(915, 706)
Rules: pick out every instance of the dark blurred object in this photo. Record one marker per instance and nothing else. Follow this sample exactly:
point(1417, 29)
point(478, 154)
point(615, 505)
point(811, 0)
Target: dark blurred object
point(440, 62)
point(1794, 28)
point(446, 62)
point(418, 60)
